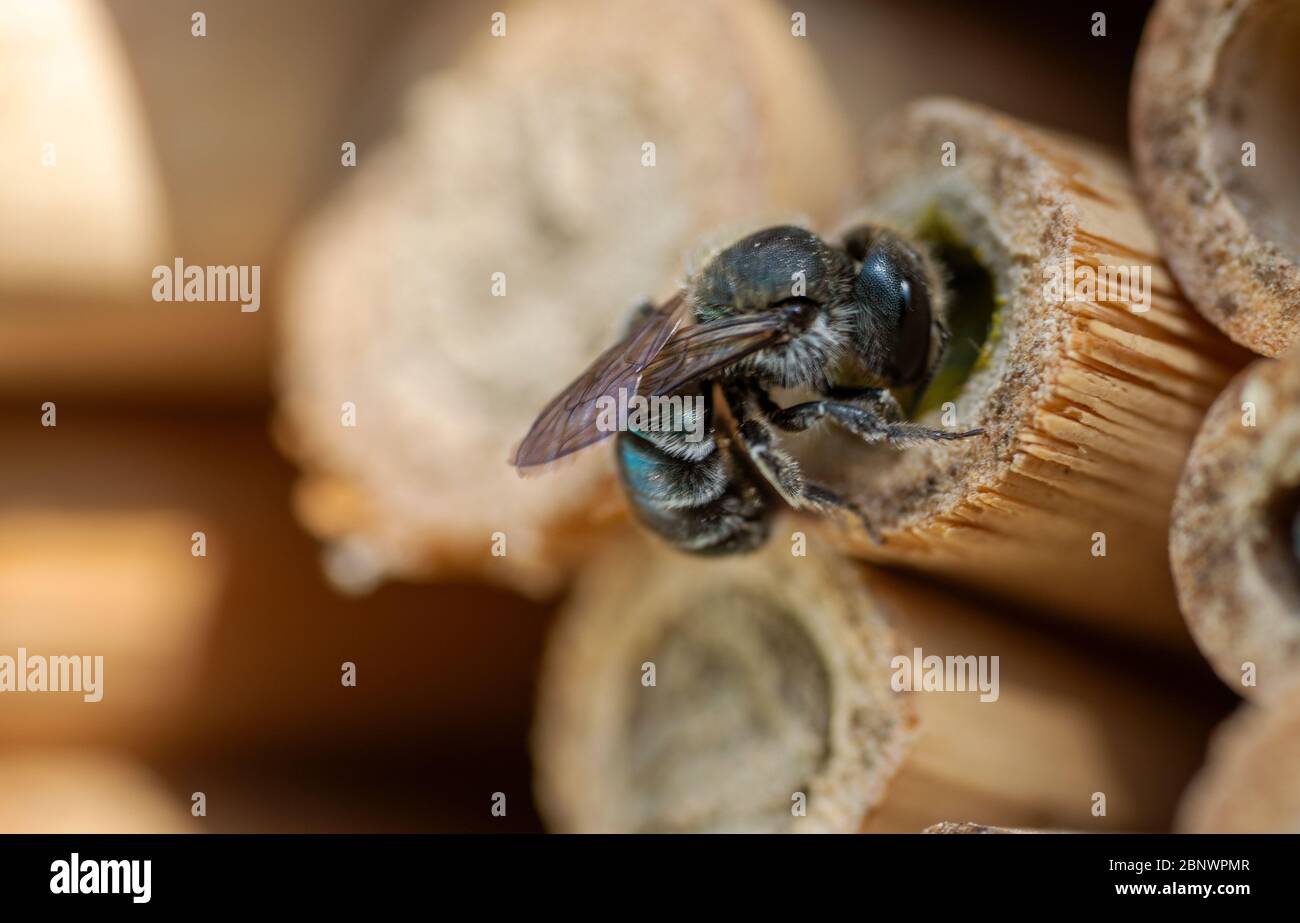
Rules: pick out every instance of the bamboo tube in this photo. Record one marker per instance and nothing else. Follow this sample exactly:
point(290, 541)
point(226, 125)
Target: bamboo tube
point(85, 791)
point(239, 650)
point(1089, 403)
point(773, 676)
point(1235, 539)
point(81, 207)
point(969, 827)
point(143, 176)
point(1213, 121)
point(527, 168)
point(114, 604)
point(768, 679)
point(1249, 783)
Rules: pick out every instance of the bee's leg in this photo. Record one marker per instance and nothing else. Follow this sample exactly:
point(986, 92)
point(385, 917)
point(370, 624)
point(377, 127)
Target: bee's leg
point(781, 471)
point(843, 393)
point(872, 422)
point(876, 400)
point(879, 400)
point(816, 497)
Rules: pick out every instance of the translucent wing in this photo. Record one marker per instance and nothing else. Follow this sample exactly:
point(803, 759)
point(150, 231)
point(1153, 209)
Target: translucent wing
point(659, 357)
point(702, 351)
point(568, 423)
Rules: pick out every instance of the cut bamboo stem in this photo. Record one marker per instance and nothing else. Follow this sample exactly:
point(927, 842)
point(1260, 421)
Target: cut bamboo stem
point(102, 615)
point(490, 250)
point(1213, 122)
point(1250, 783)
point(769, 680)
point(86, 791)
point(1235, 539)
point(81, 208)
point(967, 827)
point(97, 559)
point(1091, 378)
point(774, 688)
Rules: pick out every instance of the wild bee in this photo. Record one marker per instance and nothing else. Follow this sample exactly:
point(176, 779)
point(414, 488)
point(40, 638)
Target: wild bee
point(780, 308)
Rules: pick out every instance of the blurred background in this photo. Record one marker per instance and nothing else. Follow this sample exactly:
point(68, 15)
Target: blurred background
point(222, 671)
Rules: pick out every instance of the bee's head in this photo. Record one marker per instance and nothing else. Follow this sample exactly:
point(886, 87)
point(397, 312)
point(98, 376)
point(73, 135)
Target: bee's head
point(785, 269)
point(895, 292)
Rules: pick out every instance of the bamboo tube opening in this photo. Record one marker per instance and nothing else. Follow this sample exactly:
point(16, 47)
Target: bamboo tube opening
point(742, 694)
point(1289, 524)
point(1214, 126)
point(1254, 98)
point(1284, 549)
point(1233, 539)
point(730, 664)
point(972, 312)
point(1071, 347)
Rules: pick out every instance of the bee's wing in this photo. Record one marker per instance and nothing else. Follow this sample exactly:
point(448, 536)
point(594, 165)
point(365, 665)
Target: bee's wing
point(568, 422)
point(657, 358)
point(699, 352)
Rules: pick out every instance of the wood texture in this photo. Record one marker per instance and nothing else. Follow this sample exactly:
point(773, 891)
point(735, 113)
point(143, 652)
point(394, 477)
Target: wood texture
point(773, 676)
point(1232, 545)
point(1210, 78)
point(1088, 405)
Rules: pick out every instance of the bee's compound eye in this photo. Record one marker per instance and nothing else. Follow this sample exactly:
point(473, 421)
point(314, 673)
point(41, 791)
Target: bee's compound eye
point(798, 313)
point(895, 294)
point(913, 345)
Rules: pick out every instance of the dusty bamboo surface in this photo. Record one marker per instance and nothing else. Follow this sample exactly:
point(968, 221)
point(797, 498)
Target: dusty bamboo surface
point(1089, 407)
point(970, 827)
point(1212, 77)
point(527, 159)
point(769, 680)
point(773, 676)
point(1231, 542)
point(1249, 783)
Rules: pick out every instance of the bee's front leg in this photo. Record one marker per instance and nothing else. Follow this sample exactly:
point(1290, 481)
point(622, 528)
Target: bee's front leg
point(880, 400)
point(750, 407)
point(878, 421)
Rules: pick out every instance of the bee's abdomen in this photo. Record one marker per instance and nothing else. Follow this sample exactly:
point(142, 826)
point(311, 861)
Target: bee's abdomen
point(692, 494)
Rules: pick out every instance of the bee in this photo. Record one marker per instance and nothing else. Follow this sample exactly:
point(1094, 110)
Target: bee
point(780, 308)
